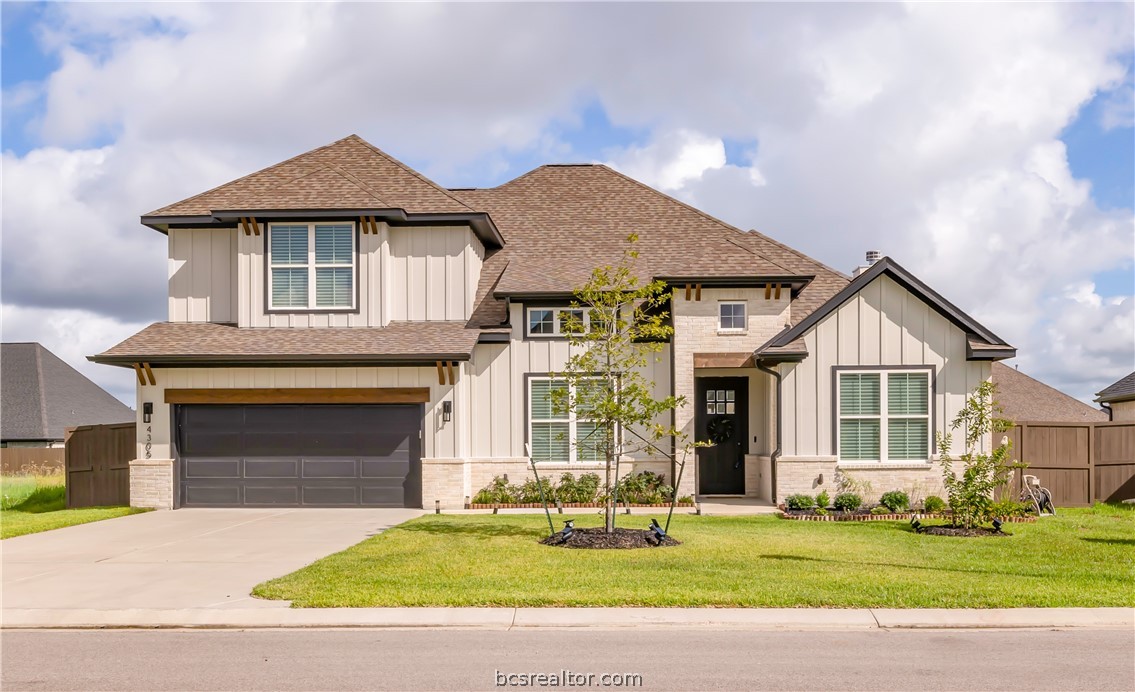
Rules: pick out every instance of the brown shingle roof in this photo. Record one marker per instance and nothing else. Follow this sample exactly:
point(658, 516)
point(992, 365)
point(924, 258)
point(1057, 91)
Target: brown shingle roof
point(186, 342)
point(827, 283)
point(560, 222)
point(348, 174)
point(1122, 390)
point(1025, 399)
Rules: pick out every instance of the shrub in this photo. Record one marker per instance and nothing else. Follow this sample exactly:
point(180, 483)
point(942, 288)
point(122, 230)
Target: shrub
point(881, 509)
point(530, 491)
point(583, 490)
point(847, 502)
point(799, 501)
point(933, 504)
point(822, 500)
point(896, 501)
point(686, 499)
point(1008, 508)
point(821, 511)
point(497, 492)
point(644, 488)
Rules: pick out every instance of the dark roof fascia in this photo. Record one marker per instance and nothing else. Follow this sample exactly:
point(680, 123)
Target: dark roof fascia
point(905, 279)
point(989, 353)
point(782, 357)
point(217, 361)
point(480, 222)
point(494, 338)
point(1120, 398)
point(797, 281)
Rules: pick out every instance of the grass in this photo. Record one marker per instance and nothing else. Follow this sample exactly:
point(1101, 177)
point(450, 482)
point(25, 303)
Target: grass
point(30, 504)
point(1082, 557)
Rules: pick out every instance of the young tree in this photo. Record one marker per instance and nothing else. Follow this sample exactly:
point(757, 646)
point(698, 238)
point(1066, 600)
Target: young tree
point(615, 325)
point(972, 492)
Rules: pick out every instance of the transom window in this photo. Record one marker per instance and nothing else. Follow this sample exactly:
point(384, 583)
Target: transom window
point(552, 432)
point(884, 416)
point(731, 317)
point(311, 266)
point(556, 321)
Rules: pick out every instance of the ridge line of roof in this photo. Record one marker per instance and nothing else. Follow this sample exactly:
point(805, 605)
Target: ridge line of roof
point(39, 389)
point(245, 177)
point(752, 252)
point(409, 170)
point(352, 178)
point(801, 255)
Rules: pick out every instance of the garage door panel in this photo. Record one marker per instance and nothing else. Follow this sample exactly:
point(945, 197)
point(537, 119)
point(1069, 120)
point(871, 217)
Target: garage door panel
point(218, 495)
point(299, 455)
point(271, 468)
point(330, 468)
point(271, 495)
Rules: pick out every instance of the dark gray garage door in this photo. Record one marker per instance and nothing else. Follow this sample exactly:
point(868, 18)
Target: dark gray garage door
point(299, 455)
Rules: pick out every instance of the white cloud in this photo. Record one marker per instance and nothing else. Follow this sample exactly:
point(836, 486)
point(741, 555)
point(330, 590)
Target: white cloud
point(928, 131)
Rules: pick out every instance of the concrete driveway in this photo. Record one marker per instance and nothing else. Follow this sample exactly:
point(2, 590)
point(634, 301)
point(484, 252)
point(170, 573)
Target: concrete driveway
point(188, 558)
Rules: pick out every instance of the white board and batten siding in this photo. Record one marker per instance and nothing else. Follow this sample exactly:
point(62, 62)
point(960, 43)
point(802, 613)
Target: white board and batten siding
point(424, 273)
point(439, 438)
point(884, 324)
point(202, 275)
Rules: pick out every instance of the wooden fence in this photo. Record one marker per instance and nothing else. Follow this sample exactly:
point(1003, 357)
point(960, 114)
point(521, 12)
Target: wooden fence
point(1080, 463)
point(98, 464)
point(38, 460)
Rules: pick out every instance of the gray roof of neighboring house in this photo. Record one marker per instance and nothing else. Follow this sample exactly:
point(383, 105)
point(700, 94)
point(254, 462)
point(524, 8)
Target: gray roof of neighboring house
point(1025, 399)
point(1123, 390)
point(41, 396)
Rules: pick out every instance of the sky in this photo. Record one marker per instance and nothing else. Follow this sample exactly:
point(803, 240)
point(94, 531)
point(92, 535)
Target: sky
point(989, 148)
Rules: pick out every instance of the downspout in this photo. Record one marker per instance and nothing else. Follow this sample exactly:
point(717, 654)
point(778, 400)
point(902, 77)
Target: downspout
point(776, 451)
point(1110, 413)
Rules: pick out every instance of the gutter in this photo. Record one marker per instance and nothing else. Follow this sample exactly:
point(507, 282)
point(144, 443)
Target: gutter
point(779, 424)
point(1110, 413)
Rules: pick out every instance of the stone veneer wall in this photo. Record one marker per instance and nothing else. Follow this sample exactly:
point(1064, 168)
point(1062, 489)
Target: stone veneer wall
point(151, 483)
point(810, 476)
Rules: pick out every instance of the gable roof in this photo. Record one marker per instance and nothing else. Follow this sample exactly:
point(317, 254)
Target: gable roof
point(1025, 399)
point(561, 221)
point(348, 174)
point(41, 396)
point(982, 343)
point(827, 281)
point(1123, 390)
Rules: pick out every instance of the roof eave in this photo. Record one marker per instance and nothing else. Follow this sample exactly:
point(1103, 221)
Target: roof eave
point(219, 360)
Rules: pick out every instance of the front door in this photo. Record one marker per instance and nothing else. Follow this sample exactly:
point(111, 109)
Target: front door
point(722, 418)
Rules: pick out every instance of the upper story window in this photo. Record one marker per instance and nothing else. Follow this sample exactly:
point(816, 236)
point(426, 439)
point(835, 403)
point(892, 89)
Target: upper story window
point(731, 316)
point(557, 321)
point(311, 266)
point(884, 416)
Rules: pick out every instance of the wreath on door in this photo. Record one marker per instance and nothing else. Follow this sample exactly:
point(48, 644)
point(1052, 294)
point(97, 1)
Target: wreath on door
point(720, 430)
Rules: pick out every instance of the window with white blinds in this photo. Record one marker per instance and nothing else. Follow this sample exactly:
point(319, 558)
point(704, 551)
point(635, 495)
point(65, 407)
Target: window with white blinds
point(311, 266)
point(560, 435)
point(884, 415)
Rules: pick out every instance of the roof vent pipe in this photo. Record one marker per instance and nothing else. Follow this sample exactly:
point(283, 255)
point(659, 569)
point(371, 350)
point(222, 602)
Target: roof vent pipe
point(873, 256)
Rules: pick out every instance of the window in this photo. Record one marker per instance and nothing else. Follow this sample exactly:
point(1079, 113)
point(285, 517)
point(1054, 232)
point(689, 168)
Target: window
point(720, 401)
point(559, 321)
point(732, 317)
point(311, 266)
point(551, 432)
point(884, 416)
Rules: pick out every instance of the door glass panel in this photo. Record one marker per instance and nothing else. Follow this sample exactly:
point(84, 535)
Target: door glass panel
point(729, 395)
point(729, 407)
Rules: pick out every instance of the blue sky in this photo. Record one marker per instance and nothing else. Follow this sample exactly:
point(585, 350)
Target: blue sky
point(925, 131)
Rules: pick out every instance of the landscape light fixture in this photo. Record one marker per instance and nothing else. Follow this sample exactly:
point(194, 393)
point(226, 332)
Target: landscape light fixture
point(997, 525)
point(658, 531)
point(446, 411)
point(916, 525)
point(568, 530)
point(147, 411)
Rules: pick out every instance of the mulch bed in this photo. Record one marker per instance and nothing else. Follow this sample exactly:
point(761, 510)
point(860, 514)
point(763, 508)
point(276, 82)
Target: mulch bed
point(565, 505)
point(865, 515)
point(600, 540)
point(976, 532)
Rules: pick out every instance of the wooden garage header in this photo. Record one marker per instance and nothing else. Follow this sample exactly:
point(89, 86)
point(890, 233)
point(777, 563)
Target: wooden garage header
point(368, 395)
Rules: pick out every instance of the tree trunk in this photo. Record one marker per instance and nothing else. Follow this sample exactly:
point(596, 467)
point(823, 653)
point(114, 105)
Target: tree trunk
point(612, 489)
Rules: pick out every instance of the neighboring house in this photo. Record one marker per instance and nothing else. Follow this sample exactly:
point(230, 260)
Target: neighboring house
point(1119, 399)
point(41, 396)
point(343, 331)
point(1023, 399)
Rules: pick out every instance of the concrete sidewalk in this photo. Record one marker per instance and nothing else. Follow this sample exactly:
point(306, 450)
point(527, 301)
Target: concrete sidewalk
point(601, 618)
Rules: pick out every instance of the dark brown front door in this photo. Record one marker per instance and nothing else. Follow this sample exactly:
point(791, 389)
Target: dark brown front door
point(722, 418)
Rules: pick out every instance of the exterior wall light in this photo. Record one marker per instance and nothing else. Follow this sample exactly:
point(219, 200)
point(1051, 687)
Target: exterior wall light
point(446, 411)
point(147, 411)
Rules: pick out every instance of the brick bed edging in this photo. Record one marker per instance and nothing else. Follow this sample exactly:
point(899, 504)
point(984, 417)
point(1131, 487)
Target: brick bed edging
point(567, 505)
point(886, 517)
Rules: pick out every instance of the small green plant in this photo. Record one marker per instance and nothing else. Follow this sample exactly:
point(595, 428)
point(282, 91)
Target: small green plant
point(846, 483)
point(1003, 509)
point(644, 488)
point(686, 500)
point(498, 492)
point(582, 490)
point(881, 509)
point(823, 500)
point(847, 502)
point(933, 504)
point(799, 501)
point(821, 511)
point(895, 500)
point(530, 491)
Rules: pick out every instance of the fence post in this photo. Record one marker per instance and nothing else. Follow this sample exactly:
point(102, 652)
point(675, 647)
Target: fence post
point(1092, 447)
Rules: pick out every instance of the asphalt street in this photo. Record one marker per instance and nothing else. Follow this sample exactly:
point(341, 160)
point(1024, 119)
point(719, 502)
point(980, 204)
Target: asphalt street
point(411, 659)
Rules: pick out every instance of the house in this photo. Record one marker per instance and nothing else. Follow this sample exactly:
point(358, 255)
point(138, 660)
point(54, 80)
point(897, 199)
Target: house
point(1119, 399)
point(343, 331)
point(1024, 399)
point(41, 396)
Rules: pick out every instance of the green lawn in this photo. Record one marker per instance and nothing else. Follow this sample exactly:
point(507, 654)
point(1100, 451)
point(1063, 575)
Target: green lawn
point(1083, 557)
point(30, 504)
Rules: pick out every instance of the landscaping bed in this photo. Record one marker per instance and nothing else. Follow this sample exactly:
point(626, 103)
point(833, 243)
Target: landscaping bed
point(597, 538)
point(1079, 558)
point(570, 505)
point(867, 515)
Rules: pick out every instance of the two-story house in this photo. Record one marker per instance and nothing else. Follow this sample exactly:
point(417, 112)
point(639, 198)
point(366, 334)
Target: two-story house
point(343, 331)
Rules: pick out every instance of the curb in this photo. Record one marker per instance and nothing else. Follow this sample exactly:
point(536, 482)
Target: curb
point(559, 618)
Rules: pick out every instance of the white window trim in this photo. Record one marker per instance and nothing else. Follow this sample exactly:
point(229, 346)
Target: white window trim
point(733, 330)
point(883, 417)
point(311, 267)
point(557, 328)
point(570, 419)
